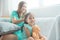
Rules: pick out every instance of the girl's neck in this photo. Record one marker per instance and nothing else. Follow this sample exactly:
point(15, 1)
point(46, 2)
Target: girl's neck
point(31, 25)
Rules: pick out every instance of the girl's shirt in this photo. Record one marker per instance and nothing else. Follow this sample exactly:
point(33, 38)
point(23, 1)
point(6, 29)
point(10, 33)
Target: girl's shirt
point(24, 32)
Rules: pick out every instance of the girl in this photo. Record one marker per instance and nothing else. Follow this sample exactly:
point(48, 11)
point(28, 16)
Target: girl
point(29, 28)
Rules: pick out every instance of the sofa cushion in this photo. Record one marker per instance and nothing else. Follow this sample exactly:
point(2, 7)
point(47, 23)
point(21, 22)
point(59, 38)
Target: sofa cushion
point(46, 25)
point(4, 19)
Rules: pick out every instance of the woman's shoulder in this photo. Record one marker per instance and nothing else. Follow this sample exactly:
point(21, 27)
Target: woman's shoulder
point(14, 12)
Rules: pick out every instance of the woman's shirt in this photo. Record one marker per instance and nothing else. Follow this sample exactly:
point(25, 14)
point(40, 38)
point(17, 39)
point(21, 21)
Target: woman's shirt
point(20, 24)
point(15, 15)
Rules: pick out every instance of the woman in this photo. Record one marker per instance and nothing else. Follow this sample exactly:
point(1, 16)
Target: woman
point(17, 18)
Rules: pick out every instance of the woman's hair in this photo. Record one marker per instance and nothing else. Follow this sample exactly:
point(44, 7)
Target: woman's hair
point(20, 5)
point(26, 16)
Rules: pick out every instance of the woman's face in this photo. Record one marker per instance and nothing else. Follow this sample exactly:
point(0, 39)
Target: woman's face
point(23, 9)
point(30, 20)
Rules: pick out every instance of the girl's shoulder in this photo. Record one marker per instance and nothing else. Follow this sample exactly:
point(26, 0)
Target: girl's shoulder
point(27, 26)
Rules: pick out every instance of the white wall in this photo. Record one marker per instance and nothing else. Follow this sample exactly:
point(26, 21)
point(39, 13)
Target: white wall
point(7, 6)
point(0, 7)
point(4, 8)
point(51, 11)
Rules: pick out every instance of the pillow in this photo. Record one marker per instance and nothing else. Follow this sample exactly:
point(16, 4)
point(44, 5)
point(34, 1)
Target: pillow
point(4, 19)
point(6, 27)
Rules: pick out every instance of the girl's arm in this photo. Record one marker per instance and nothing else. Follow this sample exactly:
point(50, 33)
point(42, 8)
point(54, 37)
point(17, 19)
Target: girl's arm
point(34, 35)
point(27, 32)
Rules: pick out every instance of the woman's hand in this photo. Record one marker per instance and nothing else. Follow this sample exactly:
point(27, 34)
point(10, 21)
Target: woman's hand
point(23, 19)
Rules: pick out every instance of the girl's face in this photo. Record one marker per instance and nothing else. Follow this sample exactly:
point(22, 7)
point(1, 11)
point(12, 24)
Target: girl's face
point(30, 20)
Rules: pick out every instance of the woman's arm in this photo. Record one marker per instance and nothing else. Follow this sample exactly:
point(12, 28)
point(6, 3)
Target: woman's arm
point(14, 17)
point(16, 21)
point(27, 32)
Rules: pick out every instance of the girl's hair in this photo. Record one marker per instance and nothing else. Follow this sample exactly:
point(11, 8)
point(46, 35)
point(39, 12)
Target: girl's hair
point(26, 17)
point(25, 21)
point(20, 5)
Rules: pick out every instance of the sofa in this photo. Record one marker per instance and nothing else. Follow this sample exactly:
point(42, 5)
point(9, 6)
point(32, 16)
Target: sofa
point(49, 26)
